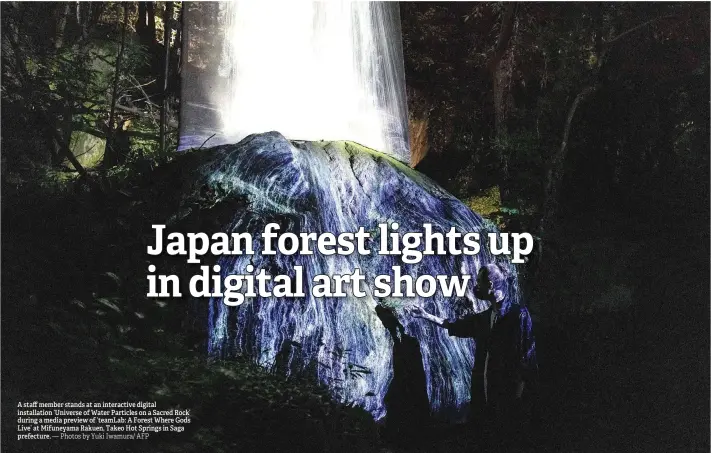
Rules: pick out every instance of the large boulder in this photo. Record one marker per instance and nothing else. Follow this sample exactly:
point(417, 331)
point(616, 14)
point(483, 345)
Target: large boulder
point(338, 187)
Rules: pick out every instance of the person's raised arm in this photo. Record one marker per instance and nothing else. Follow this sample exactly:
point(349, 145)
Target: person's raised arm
point(467, 327)
point(419, 312)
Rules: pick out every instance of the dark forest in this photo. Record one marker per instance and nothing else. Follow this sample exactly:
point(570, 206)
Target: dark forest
point(585, 124)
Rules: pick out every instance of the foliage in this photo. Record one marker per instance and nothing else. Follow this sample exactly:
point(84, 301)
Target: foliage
point(88, 332)
point(642, 60)
point(59, 80)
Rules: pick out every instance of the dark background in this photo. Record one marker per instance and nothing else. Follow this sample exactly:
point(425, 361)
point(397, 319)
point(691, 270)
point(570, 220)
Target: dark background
point(586, 124)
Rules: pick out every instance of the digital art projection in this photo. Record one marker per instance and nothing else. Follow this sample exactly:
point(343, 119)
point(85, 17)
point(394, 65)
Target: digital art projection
point(339, 187)
point(329, 79)
point(353, 226)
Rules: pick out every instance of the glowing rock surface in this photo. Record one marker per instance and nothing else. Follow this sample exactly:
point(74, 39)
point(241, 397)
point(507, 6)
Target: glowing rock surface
point(337, 187)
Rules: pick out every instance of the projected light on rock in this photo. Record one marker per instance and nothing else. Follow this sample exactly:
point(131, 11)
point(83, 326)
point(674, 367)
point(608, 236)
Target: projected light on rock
point(338, 187)
point(312, 71)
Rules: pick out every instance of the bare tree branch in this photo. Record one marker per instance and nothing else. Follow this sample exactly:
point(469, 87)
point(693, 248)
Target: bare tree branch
point(140, 112)
point(634, 29)
point(555, 168)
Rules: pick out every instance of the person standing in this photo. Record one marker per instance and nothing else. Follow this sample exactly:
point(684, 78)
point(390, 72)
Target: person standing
point(505, 364)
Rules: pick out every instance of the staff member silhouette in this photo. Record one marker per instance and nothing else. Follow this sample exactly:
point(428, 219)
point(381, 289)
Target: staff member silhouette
point(505, 360)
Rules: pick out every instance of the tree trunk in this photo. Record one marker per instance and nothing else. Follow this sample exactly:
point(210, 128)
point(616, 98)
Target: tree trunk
point(83, 19)
point(146, 23)
point(555, 168)
point(502, 78)
point(151, 13)
point(111, 152)
point(167, 29)
point(61, 26)
point(501, 71)
point(141, 22)
point(97, 8)
point(178, 45)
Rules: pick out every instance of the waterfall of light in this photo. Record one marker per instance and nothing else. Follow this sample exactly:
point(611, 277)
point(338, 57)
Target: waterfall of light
point(312, 71)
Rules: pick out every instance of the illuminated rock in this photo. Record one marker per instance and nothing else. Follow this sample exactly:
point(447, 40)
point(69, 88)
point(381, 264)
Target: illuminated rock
point(338, 187)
